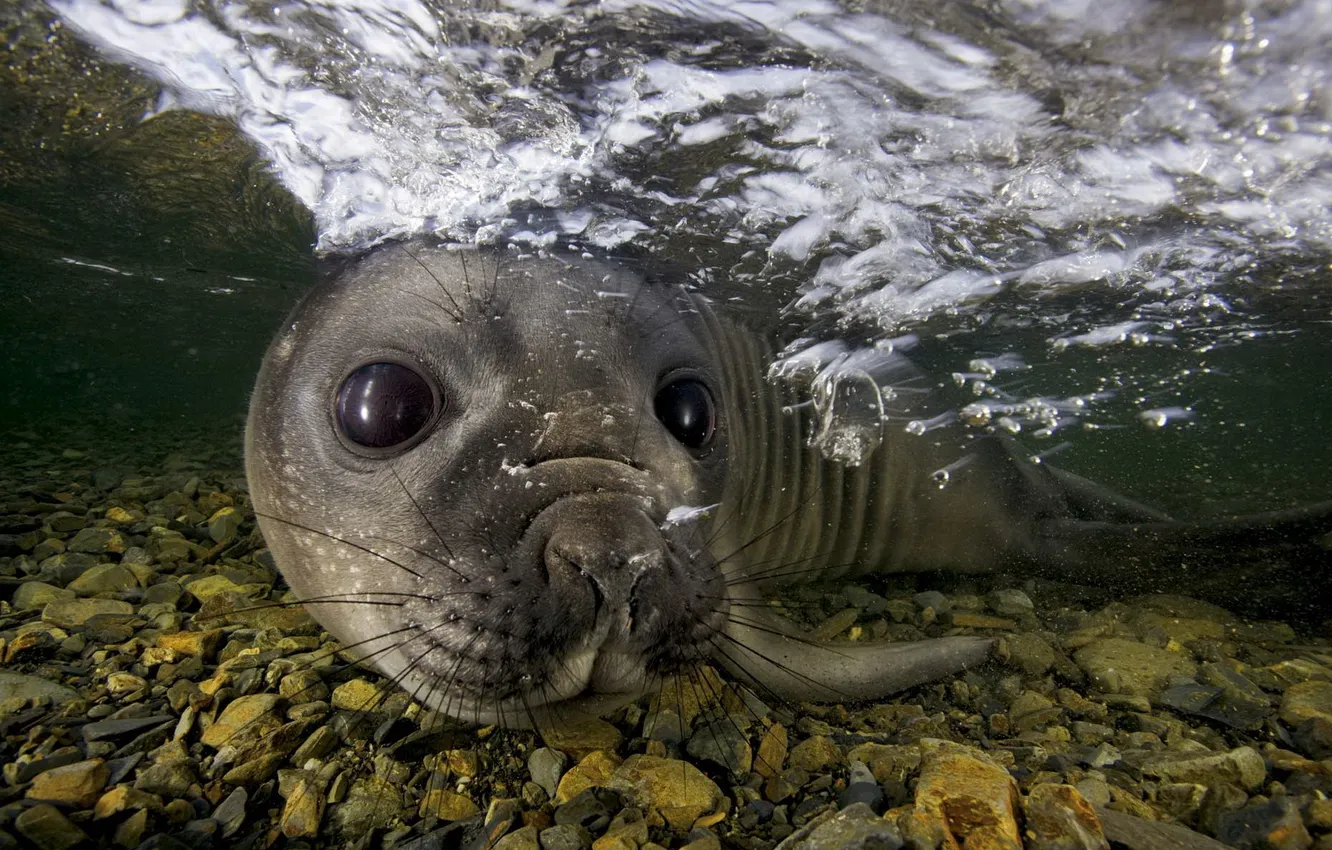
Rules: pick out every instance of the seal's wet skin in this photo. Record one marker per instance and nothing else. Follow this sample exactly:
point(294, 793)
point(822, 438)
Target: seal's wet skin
point(524, 486)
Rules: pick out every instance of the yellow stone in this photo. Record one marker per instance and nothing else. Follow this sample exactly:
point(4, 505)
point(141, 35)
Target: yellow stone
point(689, 694)
point(815, 753)
point(120, 515)
point(771, 751)
point(209, 586)
point(581, 736)
point(969, 795)
point(680, 792)
point(198, 644)
point(593, 771)
point(78, 784)
point(447, 805)
point(358, 695)
point(245, 718)
point(303, 810)
point(123, 798)
point(464, 763)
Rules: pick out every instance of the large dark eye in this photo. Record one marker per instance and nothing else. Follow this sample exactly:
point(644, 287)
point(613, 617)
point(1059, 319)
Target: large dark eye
point(685, 407)
point(382, 405)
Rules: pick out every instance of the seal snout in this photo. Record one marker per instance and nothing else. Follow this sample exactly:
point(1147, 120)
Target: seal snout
point(599, 553)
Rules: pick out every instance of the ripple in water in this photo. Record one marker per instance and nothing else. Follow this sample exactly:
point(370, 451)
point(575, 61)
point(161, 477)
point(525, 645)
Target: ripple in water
point(1052, 183)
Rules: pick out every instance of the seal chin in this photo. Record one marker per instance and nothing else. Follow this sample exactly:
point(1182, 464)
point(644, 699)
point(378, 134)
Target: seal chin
point(584, 684)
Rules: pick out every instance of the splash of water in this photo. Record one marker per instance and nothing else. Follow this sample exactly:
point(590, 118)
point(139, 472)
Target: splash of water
point(911, 167)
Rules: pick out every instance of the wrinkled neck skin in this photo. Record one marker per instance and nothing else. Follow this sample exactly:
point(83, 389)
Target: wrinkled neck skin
point(517, 561)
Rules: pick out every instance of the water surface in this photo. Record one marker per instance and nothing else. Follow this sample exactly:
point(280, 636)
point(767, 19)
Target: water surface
point(1111, 230)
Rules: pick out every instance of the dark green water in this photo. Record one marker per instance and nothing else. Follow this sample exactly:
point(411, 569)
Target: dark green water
point(145, 264)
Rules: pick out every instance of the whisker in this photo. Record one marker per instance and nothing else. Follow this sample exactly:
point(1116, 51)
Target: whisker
point(457, 313)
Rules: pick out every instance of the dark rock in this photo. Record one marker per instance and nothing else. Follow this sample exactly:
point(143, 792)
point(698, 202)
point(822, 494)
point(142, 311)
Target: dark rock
point(856, 827)
point(723, 743)
point(120, 768)
point(546, 767)
point(230, 813)
point(591, 809)
point(1233, 707)
point(861, 787)
point(102, 730)
point(453, 835)
point(565, 836)
point(48, 829)
point(1137, 834)
point(1271, 825)
point(162, 841)
point(1313, 737)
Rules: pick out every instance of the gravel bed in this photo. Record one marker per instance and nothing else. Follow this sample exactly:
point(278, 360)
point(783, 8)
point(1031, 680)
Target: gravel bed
point(156, 692)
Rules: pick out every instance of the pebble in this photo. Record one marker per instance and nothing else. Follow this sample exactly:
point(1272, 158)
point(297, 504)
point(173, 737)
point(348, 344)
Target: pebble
point(594, 770)
point(520, 839)
point(97, 541)
point(20, 686)
point(772, 751)
point(168, 779)
point(78, 784)
point(122, 799)
point(1058, 818)
point(1118, 665)
point(1273, 823)
point(447, 805)
point(245, 718)
point(1010, 602)
point(35, 595)
point(358, 695)
point(861, 787)
point(968, 794)
point(224, 524)
point(815, 754)
point(680, 792)
point(76, 612)
point(304, 808)
point(724, 743)
point(855, 827)
point(835, 625)
point(1243, 766)
point(564, 837)
point(1306, 700)
point(104, 578)
point(202, 644)
point(48, 829)
point(591, 809)
point(103, 730)
point(579, 737)
point(973, 620)
point(546, 766)
point(371, 803)
point(1030, 653)
point(130, 831)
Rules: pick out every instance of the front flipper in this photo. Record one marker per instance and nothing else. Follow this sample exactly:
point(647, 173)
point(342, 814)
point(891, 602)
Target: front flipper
point(765, 651)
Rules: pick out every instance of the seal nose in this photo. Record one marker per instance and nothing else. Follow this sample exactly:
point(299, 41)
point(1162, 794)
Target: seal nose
point(608, 557)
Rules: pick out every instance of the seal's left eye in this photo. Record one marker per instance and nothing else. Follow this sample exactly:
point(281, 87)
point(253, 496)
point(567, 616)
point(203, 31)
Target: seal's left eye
point(686, 408)
point(384, 405)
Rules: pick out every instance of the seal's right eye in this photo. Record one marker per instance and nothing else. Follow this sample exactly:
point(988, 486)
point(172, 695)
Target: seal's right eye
point(686, 408)
point(385, 405)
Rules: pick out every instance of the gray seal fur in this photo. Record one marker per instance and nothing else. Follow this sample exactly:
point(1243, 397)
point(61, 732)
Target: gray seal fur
point(545, 545)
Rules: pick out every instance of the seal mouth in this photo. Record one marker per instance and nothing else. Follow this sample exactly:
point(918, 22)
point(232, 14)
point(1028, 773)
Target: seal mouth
point(601, 596)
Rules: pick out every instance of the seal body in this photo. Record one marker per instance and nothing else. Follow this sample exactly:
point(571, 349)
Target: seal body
point(522, 487)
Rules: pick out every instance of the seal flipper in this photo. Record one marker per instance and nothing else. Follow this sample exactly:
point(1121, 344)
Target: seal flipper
point(768, 653)
point(1231, 560)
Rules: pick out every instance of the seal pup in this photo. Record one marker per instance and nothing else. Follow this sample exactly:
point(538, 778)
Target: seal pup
point(524, 486)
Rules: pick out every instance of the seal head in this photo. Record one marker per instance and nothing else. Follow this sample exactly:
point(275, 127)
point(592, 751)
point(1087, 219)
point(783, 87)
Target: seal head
point(470, 469)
